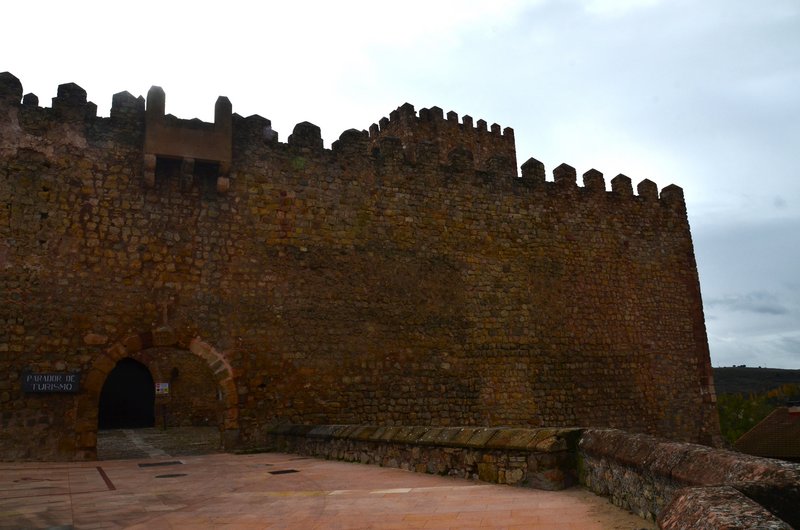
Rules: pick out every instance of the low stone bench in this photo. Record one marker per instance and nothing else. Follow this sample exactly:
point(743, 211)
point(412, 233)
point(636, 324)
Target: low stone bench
point(537, 458)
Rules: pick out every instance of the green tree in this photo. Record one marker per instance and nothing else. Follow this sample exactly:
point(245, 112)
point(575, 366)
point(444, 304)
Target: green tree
point(738, 413)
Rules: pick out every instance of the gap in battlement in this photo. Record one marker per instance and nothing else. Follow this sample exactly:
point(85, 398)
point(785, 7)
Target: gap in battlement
point(205, 178)
point(167, 168)
point(201, 174)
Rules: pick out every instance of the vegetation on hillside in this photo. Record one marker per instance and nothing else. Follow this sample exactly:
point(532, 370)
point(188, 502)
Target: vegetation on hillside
point(744, 380)
point(738, 413)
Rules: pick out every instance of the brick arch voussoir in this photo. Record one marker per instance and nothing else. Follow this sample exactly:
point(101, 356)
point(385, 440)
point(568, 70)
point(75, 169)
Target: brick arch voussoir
point(220, 368)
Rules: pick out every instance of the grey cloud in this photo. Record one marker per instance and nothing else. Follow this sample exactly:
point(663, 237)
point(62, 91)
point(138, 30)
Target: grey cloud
point(736, 255)
point(754, 302)
point(790, 344)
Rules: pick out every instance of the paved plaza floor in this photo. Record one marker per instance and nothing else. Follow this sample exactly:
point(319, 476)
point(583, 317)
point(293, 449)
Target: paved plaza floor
point(117, 444)
point(272, 490)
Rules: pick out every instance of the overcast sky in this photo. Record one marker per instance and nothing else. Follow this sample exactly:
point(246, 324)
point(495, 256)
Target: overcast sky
point(705, 95)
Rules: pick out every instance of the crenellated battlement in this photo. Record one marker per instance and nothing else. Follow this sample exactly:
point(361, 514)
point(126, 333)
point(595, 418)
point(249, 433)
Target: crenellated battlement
point(491, 149)
point(187, 140)
point(424, 139)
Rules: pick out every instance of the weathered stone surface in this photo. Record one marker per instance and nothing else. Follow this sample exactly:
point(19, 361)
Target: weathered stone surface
point(448, 435)
point(319, 431)
point(780, 495)
point(511, 439)
point(363, 433)
point(488, 472)
point(552, 479)
point(306, 134)
point(430, 436)
point(644, 473)
point(717, 508)
point(465, 434)
point(10, 88)
point(480, 437)
point(95, 339)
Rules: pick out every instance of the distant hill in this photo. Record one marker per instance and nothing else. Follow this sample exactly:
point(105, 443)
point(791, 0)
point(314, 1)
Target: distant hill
point(740, 380)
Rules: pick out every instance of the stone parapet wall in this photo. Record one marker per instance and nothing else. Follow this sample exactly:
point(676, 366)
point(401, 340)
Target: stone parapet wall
point(679, 484)
point(537, 458)
point(716, 508)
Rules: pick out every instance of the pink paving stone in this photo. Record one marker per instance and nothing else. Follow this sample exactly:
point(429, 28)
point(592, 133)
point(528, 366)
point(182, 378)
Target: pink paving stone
point(238, 492)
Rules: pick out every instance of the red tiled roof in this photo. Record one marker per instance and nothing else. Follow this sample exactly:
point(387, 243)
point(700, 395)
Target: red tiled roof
point(777, 436)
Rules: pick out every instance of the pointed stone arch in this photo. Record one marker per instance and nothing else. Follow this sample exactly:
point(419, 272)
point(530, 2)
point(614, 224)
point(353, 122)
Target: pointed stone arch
point(101, 366)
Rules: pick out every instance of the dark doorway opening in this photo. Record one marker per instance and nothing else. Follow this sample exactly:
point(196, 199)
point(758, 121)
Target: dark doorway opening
point(127, 400)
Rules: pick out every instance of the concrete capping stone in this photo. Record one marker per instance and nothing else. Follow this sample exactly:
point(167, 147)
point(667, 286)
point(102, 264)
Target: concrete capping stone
point(323, 431)
point(378, 434)
point(363, 433)
point(480, 437)
point(540, 437)
point(344, 431)
point(500, 438)
point(397, 434)
point(430, 437)
point(409, 434)
point(418, 432)
point(552, 444)
point(389, 433)
point(447, 435)
point(516, 439)
point(558, 440)
point(463, 436)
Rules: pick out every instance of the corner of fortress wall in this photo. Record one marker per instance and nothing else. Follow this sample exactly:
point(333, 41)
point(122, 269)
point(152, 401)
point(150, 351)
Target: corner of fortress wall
point(410, 274)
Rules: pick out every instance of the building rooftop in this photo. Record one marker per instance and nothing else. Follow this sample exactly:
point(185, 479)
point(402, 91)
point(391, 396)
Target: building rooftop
point(776, 436)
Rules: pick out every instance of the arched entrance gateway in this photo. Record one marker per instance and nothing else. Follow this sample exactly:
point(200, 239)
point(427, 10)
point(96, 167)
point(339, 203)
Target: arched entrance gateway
point(119, 390)
point(128, 397)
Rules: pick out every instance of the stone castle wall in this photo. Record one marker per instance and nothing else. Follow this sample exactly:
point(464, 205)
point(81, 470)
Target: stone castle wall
point(385, 281)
